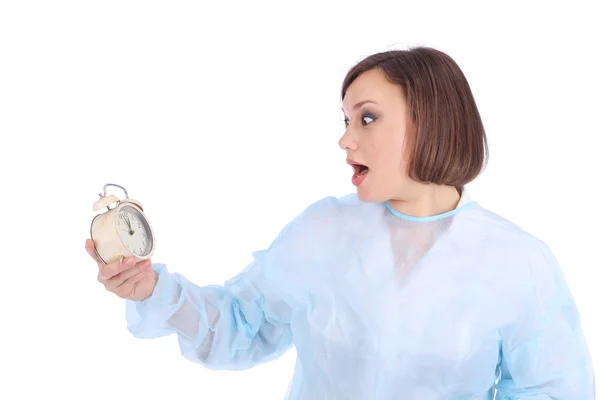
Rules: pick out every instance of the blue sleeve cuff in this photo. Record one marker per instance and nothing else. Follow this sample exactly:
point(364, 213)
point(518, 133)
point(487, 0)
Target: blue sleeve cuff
point(148, 318)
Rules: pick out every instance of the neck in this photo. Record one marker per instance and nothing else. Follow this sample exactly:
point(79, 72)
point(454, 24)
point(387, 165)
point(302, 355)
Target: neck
point(427, 201)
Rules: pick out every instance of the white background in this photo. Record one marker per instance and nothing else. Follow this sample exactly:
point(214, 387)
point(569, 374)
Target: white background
point(223, 120)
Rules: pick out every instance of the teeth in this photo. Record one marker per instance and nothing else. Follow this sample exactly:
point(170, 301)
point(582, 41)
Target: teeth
point(364, 171)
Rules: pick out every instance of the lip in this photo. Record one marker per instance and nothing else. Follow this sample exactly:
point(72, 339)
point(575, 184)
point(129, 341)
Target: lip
point(352, 162)
point(357, 177)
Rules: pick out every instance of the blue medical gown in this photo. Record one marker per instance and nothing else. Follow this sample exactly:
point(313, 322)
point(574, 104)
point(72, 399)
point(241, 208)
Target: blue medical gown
point(381, 305)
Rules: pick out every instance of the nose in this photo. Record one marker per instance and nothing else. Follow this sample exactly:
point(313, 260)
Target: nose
point(346, 142)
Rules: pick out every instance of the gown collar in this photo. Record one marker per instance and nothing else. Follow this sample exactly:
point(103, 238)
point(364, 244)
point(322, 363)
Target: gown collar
point(466, 201)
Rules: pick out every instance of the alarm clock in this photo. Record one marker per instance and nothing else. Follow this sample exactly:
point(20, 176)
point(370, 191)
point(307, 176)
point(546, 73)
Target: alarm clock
point(121, 231)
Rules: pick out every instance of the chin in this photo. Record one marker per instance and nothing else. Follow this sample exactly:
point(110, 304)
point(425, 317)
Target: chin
point(369, 196)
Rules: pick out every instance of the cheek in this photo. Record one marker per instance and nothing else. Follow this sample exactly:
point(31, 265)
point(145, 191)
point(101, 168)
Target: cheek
point(391, 164)
point(398, 151)
point(392, 155)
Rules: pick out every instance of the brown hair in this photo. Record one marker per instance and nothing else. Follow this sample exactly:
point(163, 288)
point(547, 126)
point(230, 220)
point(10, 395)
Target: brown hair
point(447, 140)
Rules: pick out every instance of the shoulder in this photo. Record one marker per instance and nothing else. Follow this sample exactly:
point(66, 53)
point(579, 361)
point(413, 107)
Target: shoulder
point(308, 245)
point(325, 217)
point(492, 227)
point(331, 203)
point(528, 268)
point(521, 252)
point(331, 209)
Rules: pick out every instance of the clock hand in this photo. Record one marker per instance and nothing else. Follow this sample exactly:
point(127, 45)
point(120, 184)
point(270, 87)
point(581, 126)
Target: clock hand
point(131, 231)
point(128, 223)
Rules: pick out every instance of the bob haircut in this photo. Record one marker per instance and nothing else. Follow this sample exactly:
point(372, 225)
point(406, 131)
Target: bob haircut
point(446, 139)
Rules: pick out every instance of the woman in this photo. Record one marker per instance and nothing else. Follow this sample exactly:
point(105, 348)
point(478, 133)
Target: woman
point(407, 289)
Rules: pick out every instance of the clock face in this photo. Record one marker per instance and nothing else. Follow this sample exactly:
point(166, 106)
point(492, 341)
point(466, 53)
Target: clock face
point(134, 231)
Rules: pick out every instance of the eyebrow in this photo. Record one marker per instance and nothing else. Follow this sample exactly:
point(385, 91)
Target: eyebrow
point(360, 104)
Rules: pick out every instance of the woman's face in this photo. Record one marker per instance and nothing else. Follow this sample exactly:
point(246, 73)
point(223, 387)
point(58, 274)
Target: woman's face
point(376, 119)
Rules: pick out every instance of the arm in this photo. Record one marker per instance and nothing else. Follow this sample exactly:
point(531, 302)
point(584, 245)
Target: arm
point(545, 355)
point(246, 321)
point(234, 326)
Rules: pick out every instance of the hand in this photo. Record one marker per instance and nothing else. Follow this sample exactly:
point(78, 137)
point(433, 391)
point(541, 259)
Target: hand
point(128, 280)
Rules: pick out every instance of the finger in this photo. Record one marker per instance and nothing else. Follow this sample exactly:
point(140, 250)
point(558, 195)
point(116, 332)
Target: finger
point(127, 289)
point(120, 278)
point(107, 271)
point(91, 250)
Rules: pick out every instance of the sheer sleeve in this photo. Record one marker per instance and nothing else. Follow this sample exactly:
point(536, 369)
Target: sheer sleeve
point(544, 354)
point(234, 326)
point(239, 324)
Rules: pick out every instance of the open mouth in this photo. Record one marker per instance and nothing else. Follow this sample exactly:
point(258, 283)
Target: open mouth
point(360, 172)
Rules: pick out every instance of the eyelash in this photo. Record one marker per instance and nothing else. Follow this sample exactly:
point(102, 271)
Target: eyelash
point(367, 115)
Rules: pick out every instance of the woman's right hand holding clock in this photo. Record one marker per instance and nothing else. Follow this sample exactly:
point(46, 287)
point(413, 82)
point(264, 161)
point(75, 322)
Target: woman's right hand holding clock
point(127, 279)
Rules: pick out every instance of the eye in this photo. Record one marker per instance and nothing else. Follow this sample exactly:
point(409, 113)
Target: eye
point(366, 117)
point(366, 120)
